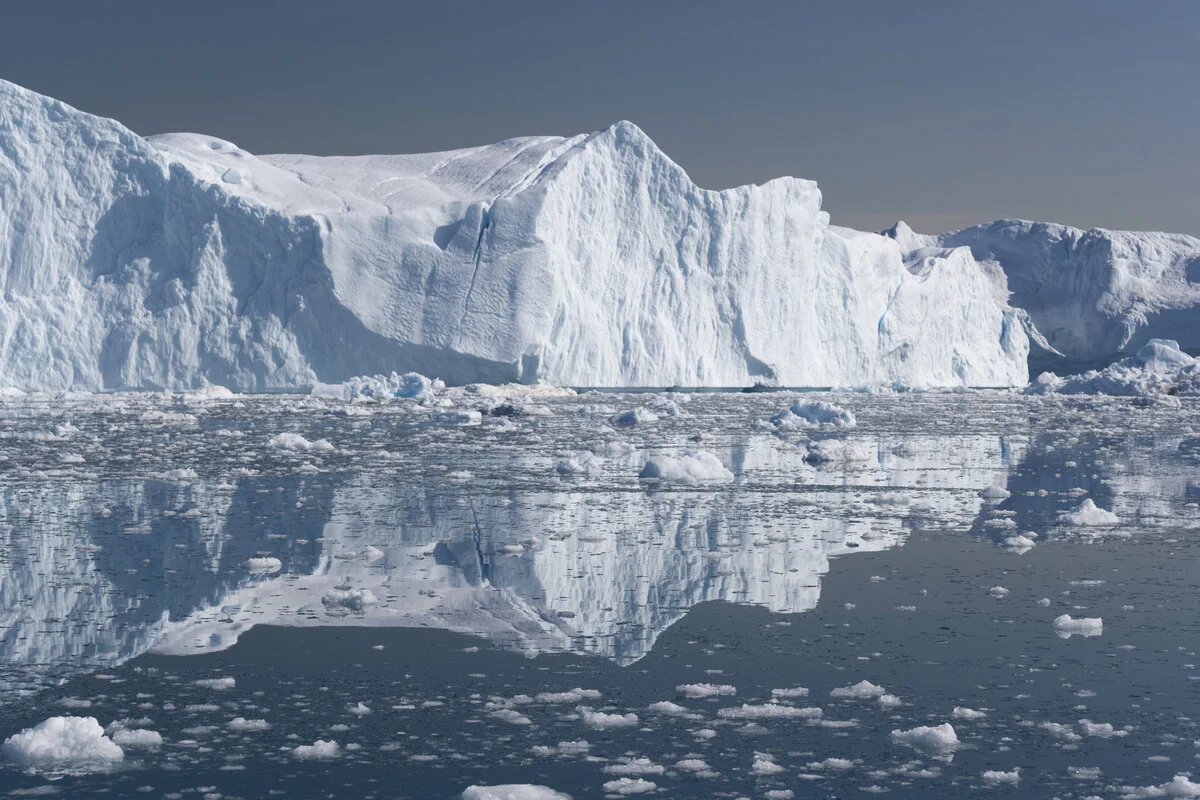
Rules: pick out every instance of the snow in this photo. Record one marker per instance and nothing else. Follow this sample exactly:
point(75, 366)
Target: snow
point(61, 739)
point(183, 260)
point(926, 737)
point(513, 791)
point(692, 467)
point(1088, 514)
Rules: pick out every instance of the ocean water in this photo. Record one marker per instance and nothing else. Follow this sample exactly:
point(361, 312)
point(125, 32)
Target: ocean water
point(463, 600)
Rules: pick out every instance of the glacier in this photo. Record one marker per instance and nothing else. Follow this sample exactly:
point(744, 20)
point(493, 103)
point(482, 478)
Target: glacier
point(180, 261)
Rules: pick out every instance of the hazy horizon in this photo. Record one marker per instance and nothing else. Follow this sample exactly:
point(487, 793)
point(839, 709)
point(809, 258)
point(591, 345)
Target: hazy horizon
point(945, 116)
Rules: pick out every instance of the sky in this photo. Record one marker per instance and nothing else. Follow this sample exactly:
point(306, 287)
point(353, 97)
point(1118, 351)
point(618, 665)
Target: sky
point(1085, 112)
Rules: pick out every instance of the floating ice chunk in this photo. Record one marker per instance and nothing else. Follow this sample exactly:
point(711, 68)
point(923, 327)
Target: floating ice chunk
point(297, 443)
point(769, 711)
point(1060, 731)
point(263, 566)
point(511, 716)
point(360, 709)
point(217, 684)
point(693, 467)
point(962, 712)
point(1019, 543)
point(998, 591)
point(624, 786)
point(1101, 730)
point(802, 414)
point(465, 417)
point(839, 764)
point(1179, 786)
point(673, 710)
point(996, 493)
point(796, 691)
point(569, 696)
point(859, 690)
point(890, 701)
point(513, 791)
point(137, 738)
point(345, 600)
point(635, 416)
point(584, 463)
point(61, 740)
point(635, 766)
point(1088, 514)
point(995, 777)
point(695, 690)
point(764, 764)
point(320, 749)
point(928, 737)
point(602, 721)
point(838, 451)
point(1067, 626)
point(249, 725)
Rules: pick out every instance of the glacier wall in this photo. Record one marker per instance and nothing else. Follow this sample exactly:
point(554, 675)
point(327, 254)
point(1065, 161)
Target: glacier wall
point(593, 260)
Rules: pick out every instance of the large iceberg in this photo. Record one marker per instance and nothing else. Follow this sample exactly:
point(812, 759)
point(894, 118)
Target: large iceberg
point(1094, 295)
point(182, 260)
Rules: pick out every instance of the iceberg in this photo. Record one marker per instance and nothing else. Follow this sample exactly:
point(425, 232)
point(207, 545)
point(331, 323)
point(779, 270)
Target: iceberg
point(1092, 296)
point(182, 261)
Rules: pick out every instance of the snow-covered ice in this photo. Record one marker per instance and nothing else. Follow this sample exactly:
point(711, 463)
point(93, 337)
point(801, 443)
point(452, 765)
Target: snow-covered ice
point(61, 739)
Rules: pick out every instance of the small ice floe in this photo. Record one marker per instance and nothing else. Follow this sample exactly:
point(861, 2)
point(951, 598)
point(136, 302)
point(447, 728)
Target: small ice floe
point(345, 600)
point(294, 442)
point(995, 493)
point(582, 463)
point(673, 710)
point(1067, 626)
point(247, 725)
point(513, 791)
point(635, 416)
point(569, 696)
point(962, 712)
point(1088, 514)
point(627, 786)
point(995, 777)
point(860, 690)
point(1019, 544)
point(455, 416)
point(216, 684)
point(769, 711)
point(1179, 786)
point(938, 738)
point(695, 690)
point(998, 591)
point(816, 413)
point(838, 451)
point(73, 741)
point(790, 693)
point(263, 566)
point(693, 467)
point(137, 737)
point(634, 766)
point(1101, 730)
point(360, 709)
point(320, 749)
point(600, 721)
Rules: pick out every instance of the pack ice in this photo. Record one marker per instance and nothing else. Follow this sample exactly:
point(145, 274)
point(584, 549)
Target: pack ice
point(182, 260)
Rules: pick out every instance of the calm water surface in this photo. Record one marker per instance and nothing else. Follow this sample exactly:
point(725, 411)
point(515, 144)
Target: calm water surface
point(459, 600)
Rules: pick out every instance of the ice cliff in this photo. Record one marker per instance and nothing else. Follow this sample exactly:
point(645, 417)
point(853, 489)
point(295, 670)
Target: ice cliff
point(1093, 295)
point(183, 260)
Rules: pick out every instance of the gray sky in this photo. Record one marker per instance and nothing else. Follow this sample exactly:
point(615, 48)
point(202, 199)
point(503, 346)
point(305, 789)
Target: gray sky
point(944, 113)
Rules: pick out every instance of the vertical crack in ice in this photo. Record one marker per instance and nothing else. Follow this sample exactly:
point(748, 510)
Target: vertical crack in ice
point(484, 223)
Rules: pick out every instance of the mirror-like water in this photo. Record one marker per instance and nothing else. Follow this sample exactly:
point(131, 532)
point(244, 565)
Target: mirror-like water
point(458, 598)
